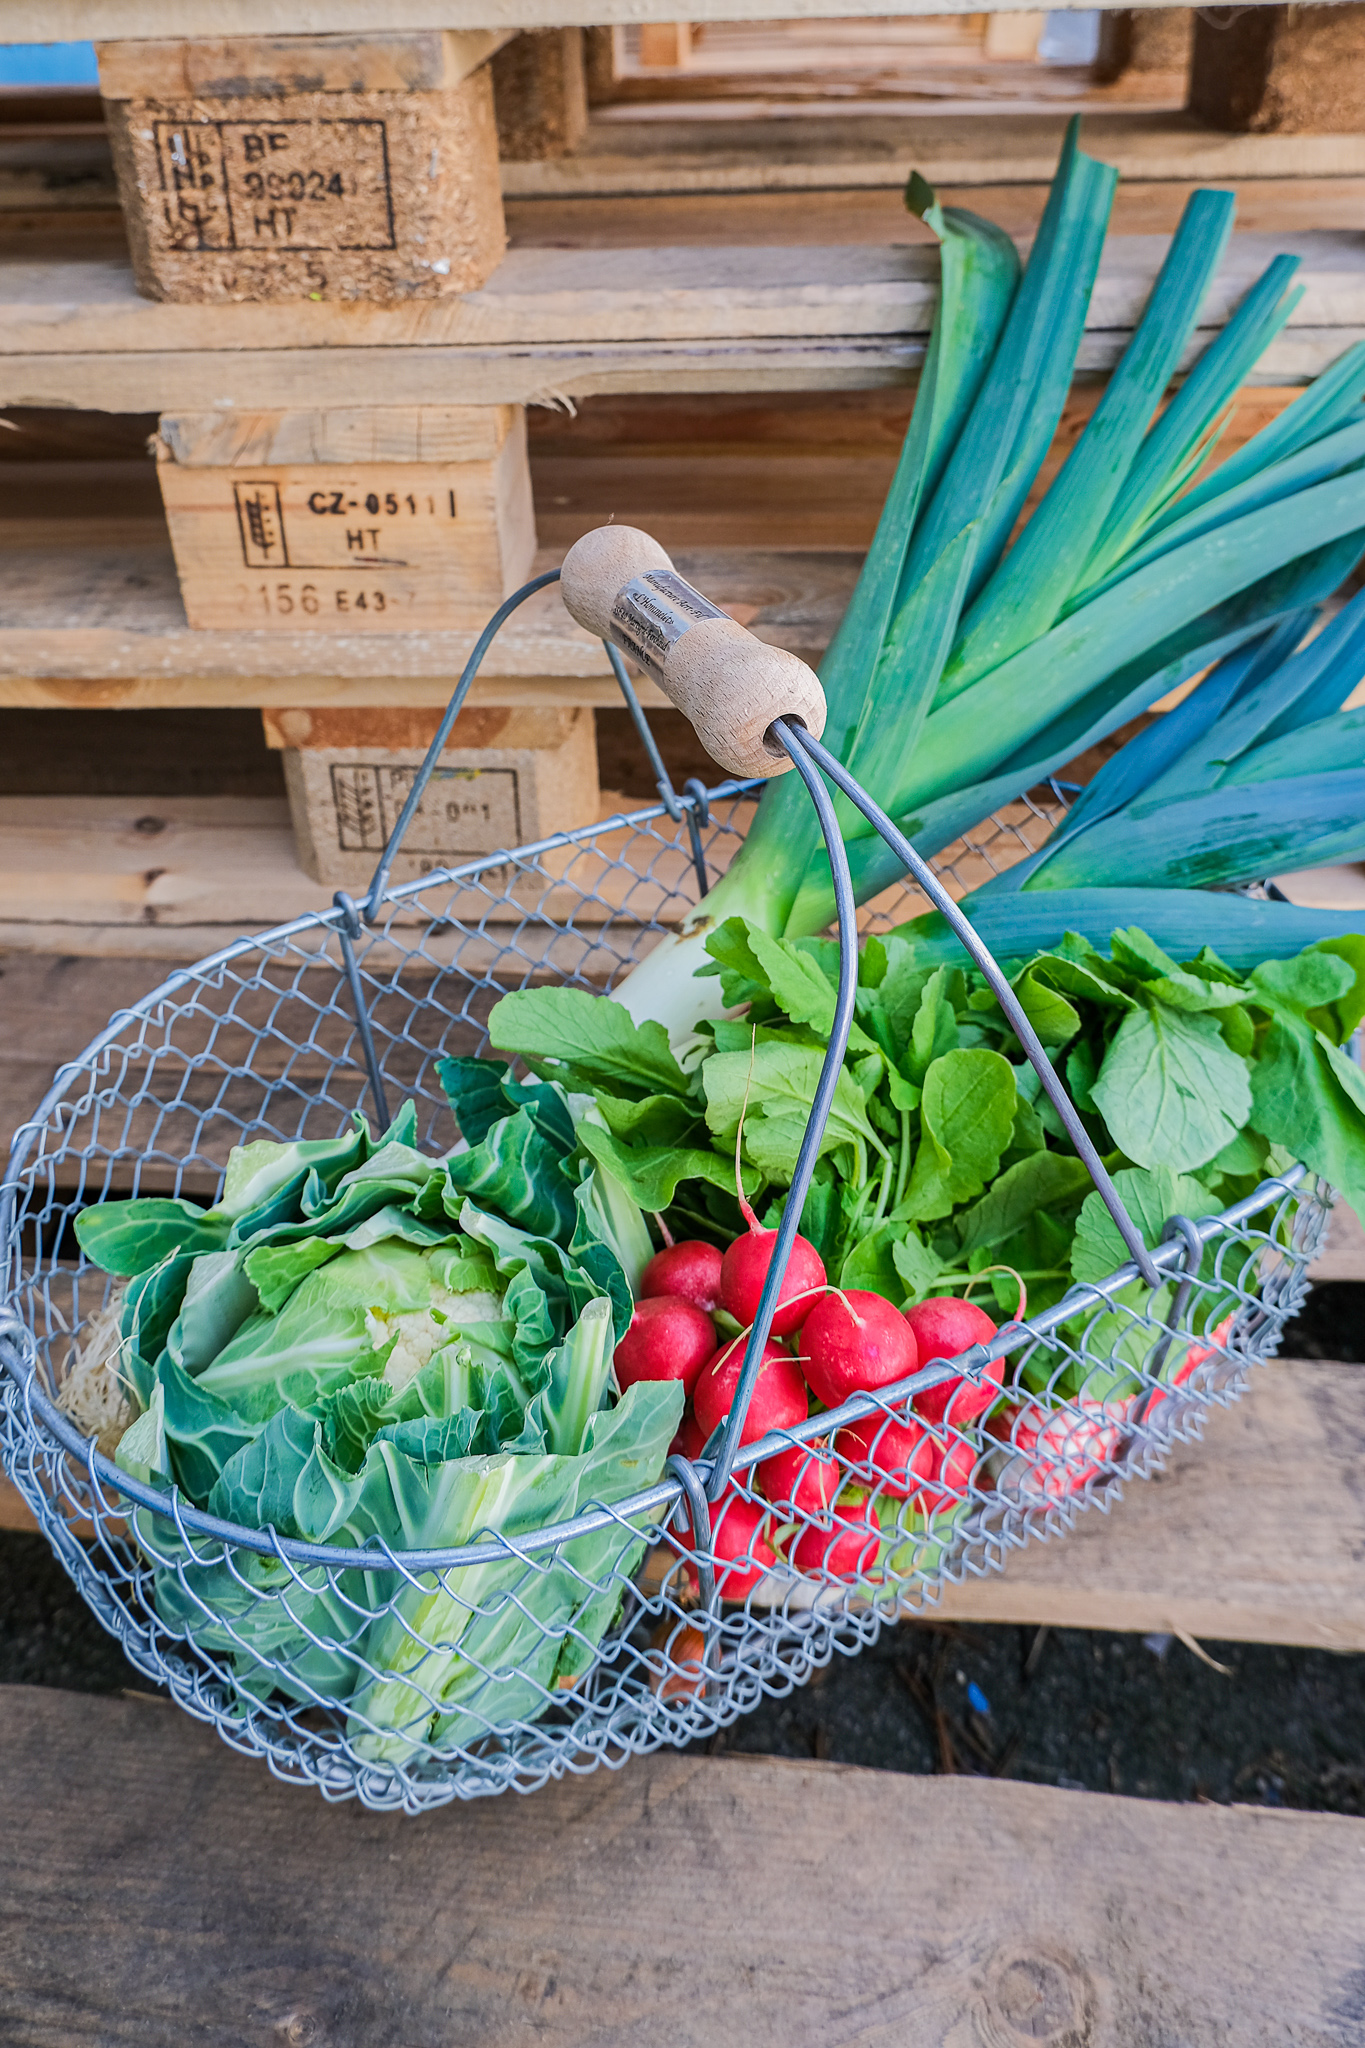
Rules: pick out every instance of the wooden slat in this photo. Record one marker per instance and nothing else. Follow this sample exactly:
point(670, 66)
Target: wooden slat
point(874, 214)
point(160, 1889)
point(65, 190)
point(568, 321)
point(13, 1512)
point(216, 867)
point(1343, 1257)
point(52, 1005)
point(167, 68)
point(73, 20)
point(543, 373)
point(957, 145)
point(219, 866)
point(542, 297)
point(201, 860)
point(92, 617)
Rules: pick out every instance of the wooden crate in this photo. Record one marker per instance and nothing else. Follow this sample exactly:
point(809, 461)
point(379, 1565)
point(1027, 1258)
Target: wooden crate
point(516, 776)
point(350, 521)
point(307, 167)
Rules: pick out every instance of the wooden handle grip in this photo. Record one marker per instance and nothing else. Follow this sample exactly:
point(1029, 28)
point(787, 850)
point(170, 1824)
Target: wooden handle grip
point(622, 586)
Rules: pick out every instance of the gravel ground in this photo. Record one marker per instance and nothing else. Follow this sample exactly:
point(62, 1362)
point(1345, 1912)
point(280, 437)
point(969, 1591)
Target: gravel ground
point(1108, 1713)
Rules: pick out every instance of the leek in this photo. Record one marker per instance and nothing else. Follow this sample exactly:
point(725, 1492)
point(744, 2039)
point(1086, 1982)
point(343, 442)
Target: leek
point(1260, 768)
point(965, 669)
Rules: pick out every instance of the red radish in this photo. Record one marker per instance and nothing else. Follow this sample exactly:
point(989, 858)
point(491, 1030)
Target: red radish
point(1197, 1355)
point(949, 1477)
point(852, 1342)
point(668, 1339)
point(801, 1481)
point(906, 1461)
point(841, 1545)
point(897, 1457)
point(944, 1327)
point(742, 1552)
point(1058, 1450)
point(690, 1441)
point(745, 1268)
point(779, 1397)
point(690, 1270)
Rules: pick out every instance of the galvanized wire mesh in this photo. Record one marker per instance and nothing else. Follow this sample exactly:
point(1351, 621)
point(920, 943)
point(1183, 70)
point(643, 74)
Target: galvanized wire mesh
point(410, 1679)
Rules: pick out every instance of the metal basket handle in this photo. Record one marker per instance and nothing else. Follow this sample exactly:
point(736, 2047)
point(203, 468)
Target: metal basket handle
point(693, 807)
point(751, 705)
point(750, 709)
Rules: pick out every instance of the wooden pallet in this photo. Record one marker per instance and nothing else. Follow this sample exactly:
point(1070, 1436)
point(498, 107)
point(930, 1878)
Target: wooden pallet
point(160, 1889)
point(766, 503)
point(553, 323)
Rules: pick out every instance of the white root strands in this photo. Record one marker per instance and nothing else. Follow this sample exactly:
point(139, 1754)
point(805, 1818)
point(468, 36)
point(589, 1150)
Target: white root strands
point(93, 1391)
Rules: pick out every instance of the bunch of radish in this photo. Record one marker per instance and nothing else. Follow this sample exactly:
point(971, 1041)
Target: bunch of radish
point(1059, 1446)
point(828, 1343)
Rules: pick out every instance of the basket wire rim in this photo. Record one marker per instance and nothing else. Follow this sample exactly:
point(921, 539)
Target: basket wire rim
point(16, 1339)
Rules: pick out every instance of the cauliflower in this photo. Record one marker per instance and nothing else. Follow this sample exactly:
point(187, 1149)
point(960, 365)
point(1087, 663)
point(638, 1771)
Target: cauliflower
point(422, 1331)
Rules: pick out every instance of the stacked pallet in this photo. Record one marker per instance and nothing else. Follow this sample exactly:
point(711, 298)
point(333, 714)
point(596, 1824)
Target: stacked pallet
point(363, 409)
point(314, 307)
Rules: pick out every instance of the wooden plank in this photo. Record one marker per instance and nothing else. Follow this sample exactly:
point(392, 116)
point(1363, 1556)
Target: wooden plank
point(274, 65)
point(1254, 1534)
point(544, 374)
point(13, 1513)
point(198, 860)
point(93, 617)
point(1343, 1256)
point(569, 321)
point(957, 145)
point(75, 20)
point(824, 77)
point(52, 1006)
point(66, 185)
point(201, 871)
point(748, 219)
point(79, 868)
point(161, 1888)
point(544, 297)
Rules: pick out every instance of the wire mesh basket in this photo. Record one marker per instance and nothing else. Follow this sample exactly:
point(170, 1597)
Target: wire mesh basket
point(616, 1617)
